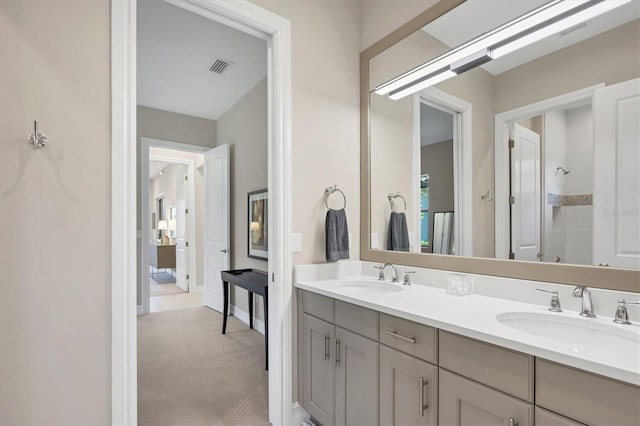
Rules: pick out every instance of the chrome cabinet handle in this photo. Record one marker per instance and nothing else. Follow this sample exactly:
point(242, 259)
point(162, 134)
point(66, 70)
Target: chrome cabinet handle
point(224, 251)
point(325, 355)
point(400, 336)
point(337, 355)
point(512, 422)
point(422, 383)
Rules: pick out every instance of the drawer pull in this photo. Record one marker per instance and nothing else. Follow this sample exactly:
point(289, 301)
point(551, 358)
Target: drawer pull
point(325, 355)
point(337, 355)
point(512, 422)
point(400, 336)
point(422, 383)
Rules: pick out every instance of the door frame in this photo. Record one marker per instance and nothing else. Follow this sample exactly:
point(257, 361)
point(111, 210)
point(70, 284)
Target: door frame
point(252, 19)
point(501, 148)
point(462, 112)
point(145, 209)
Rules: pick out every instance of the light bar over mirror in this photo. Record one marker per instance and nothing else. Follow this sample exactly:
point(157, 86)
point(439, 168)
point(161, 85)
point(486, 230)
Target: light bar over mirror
point(540, 23)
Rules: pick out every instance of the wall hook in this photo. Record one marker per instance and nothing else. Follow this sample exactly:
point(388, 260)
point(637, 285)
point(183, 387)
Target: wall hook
point(486, 196)
point(37, 139)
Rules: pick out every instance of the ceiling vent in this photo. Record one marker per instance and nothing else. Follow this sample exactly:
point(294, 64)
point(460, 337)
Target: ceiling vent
point(220, 66)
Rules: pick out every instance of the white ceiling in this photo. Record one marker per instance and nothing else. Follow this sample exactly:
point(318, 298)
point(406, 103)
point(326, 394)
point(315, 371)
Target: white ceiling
point(435, 125)
point(176, 48)
point(475, 17)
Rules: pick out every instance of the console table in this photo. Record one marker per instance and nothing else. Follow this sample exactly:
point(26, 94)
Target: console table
point(162, 256)
point(254, 281)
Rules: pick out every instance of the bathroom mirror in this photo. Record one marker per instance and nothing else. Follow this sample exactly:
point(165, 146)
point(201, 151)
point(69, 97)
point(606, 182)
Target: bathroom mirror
point(545, 89)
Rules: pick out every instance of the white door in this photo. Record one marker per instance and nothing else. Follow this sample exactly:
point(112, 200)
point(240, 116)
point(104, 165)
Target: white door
point(525, 190)
point(616, 195)
point(216, 210)
point(182, 234)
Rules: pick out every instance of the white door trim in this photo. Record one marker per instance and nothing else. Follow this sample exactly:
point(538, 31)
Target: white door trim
point(462, 165)
point(248, 17)
point(501, 147)
point(145, 208)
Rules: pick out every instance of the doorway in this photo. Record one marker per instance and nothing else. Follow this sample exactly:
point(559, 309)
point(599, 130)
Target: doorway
point(250, 19)
point(172, 223)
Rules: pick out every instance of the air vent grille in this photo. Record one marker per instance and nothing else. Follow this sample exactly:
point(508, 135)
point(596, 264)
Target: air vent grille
point(220, 66)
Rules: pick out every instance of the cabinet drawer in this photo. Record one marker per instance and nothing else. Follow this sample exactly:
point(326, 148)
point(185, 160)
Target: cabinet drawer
point(586, 397)
point(399, 333)
point(357, 319)
point(500, 368)
point(464, 402)
point(547, 418)
point(317, 305)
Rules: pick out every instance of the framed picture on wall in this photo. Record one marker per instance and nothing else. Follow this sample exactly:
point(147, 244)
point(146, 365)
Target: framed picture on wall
point(257, 222)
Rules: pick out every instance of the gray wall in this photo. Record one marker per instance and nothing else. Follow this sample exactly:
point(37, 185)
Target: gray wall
point(169, 126)
point(437, 160)
point(244, 128)
point(55, 266)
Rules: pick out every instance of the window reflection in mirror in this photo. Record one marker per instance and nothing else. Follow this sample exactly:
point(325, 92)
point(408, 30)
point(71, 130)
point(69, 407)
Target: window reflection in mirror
point(546, 186)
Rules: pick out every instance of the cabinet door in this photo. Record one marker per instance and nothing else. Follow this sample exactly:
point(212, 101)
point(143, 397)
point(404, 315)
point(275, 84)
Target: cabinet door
point(317, 359)
point(548, 418)
point(465, 402)
point(405, 399)
point(356, 370)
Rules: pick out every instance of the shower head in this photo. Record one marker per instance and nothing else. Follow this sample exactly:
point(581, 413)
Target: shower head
point(564, 171)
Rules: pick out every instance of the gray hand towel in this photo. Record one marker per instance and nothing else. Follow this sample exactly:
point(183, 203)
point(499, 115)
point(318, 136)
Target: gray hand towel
point(398, 233)
point(337, 234)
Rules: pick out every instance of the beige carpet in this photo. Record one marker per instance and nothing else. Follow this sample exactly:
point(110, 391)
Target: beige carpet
point(191, 374)
point(165, 289)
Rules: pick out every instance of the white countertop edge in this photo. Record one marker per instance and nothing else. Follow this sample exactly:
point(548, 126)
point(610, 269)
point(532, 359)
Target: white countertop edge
point(600, 368)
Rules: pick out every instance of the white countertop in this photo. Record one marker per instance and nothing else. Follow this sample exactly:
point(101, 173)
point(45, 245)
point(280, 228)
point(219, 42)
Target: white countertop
point(475, 316)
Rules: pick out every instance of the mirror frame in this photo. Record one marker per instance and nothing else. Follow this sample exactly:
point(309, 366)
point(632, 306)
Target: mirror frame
point(592, 276)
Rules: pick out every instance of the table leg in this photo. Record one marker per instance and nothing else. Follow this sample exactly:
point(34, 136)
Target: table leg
point(250, 309)
point(265, 301)
point(225, 290)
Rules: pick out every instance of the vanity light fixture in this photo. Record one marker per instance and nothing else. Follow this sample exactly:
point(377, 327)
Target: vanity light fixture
point(551, 18)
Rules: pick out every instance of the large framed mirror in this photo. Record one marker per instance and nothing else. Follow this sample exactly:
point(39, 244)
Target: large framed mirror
point(530, 141)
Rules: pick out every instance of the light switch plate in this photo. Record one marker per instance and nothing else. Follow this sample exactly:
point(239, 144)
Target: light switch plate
point(296, 243)
point(375, 243)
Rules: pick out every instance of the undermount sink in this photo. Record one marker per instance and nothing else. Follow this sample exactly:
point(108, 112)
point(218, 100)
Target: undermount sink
point(576, 331)
point(370, 287)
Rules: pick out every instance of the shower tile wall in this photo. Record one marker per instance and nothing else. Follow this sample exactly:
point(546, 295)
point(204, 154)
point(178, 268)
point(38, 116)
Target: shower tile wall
point(568, 232)
point(579, 219)
point(555, 156)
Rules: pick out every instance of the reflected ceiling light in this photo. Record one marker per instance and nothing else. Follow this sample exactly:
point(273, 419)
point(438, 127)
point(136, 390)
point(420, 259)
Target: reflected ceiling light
point(542, 22)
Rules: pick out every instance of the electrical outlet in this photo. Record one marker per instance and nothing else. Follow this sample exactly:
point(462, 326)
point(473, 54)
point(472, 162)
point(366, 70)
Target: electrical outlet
point(296, 243)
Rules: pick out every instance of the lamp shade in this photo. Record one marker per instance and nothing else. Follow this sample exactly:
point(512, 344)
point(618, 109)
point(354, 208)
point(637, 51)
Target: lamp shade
point(163, 225)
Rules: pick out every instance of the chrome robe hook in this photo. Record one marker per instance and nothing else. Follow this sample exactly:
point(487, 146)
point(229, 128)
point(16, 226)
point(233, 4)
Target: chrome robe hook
point(37, 139)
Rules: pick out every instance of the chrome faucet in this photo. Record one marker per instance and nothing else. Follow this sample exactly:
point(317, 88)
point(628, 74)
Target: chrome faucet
point(382, 267)
point(587, 304)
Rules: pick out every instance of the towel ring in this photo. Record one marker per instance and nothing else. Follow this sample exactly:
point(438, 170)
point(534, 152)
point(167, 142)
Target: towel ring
point(392, 196)
point(332, 190)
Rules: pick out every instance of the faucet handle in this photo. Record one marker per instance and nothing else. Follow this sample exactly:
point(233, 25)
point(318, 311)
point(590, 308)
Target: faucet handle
point(622, 316)
point(381, 273)
point(554, 304)
point(407, 278)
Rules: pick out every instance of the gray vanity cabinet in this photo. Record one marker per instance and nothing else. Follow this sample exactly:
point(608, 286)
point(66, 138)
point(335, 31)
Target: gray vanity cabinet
point(464, 402)
point(318, 360)
point(339, 367)
point(356, 381)
point(408, 389)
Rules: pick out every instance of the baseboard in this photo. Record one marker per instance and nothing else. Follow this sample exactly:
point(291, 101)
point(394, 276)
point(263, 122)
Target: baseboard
point(298, 414)
point(244, 317)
